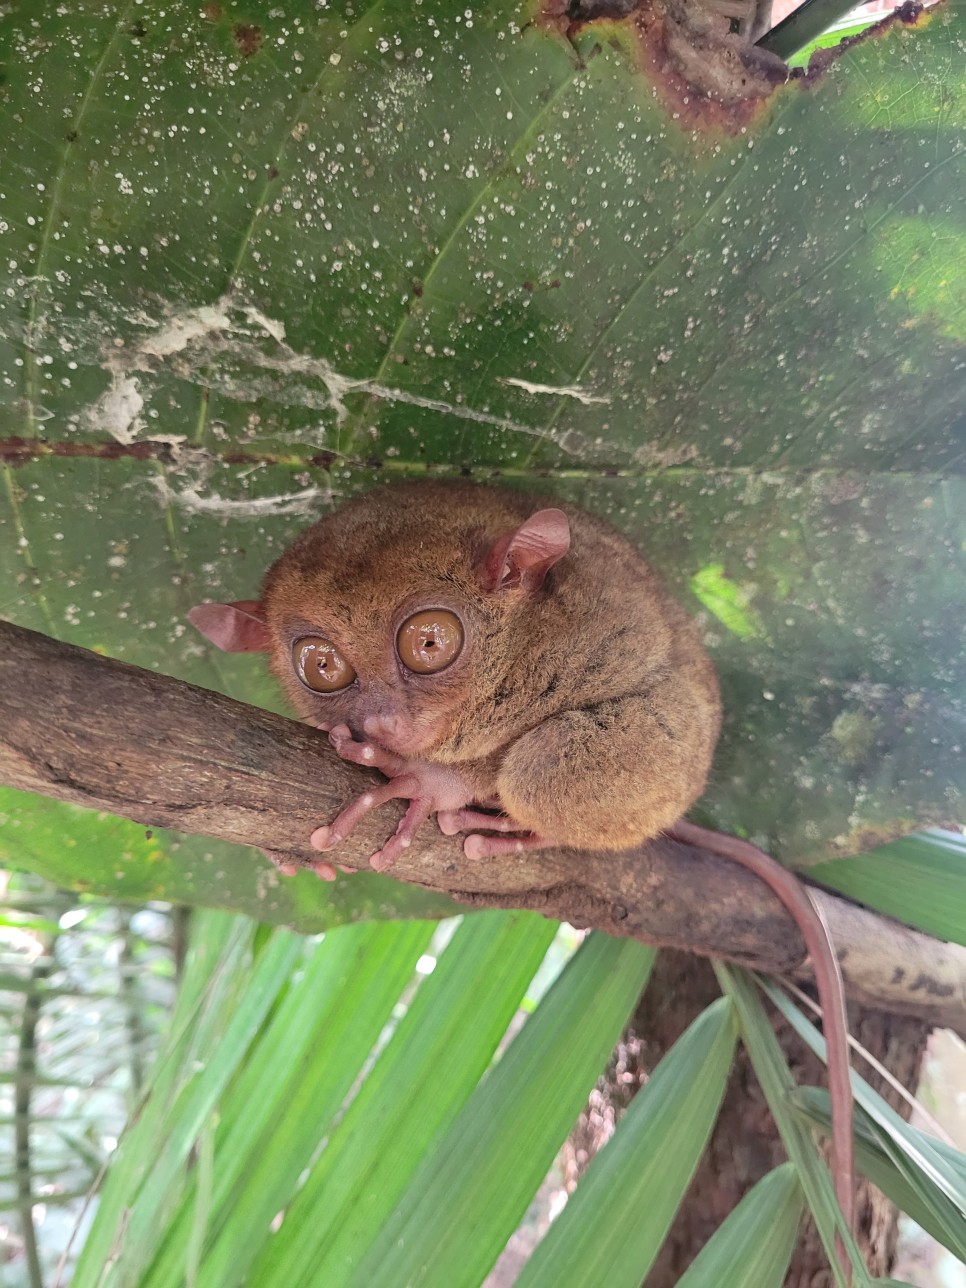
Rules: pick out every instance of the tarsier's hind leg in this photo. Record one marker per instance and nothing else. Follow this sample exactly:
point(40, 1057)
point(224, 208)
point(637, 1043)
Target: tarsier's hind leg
point(609, 775)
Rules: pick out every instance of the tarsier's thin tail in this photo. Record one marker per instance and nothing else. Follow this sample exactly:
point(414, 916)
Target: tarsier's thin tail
point(831, 992)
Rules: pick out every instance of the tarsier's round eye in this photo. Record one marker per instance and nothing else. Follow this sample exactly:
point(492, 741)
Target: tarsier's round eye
point(429, 640)
point(320, 666)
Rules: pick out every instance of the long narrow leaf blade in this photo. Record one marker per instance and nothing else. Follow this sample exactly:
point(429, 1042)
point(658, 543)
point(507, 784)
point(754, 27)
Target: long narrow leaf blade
point(471, 1190)
point(613, 1227)
point(755, 1244)
point(433, 1062)
point(776, 1081)
point(293, 1082)
point(912, 1191)
point(920, 880)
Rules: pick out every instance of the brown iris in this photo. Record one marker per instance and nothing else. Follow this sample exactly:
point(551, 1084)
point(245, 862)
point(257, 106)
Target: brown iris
point(429, 640)
point(320, 666)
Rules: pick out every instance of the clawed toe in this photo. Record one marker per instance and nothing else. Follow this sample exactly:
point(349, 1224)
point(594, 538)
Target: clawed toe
point(449, 821)
point(324, 838)
point(410, 823)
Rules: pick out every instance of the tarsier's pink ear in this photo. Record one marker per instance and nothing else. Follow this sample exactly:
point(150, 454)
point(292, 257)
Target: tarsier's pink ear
point(526, 556)
point(235, 628)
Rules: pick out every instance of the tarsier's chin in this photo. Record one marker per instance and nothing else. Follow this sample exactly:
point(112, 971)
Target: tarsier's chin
point(511, 665)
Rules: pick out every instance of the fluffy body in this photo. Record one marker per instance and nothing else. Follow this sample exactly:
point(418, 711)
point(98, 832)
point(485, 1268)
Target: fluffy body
point(584, 708)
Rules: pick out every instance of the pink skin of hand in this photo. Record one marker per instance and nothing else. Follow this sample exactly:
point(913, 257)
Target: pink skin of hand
point(429, 789)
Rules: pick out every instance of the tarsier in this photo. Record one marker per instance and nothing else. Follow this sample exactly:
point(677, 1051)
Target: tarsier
point(516, 668)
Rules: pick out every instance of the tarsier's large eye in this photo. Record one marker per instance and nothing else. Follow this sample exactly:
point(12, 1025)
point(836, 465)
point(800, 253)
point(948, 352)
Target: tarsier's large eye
point(320, 666)
point(429, 640)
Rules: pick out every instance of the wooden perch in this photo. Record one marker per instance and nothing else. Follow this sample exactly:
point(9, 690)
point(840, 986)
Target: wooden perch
point(98, 732)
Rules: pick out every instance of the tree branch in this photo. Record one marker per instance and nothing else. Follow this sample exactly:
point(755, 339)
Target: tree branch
point(101, 733)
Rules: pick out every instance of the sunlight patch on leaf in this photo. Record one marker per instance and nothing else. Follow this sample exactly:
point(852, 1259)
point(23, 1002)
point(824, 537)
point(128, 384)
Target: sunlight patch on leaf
point(727, 601)
point(928, 266)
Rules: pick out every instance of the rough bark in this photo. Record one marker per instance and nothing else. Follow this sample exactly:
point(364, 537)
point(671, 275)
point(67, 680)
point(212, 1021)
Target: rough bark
point(101, 733)
point(745, 1143)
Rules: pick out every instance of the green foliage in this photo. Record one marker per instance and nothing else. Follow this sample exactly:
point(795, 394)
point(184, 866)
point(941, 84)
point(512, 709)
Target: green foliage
point(253, 262)
point(270, 1040)
point(777, 1082)
point(885, 1154)
point(315, 249)
point(413, 1095)
point(312, 1119)
point(920, 880)
point(754, 1245)
point(612, 1229)
point(496, 1152)
point(900, 1158)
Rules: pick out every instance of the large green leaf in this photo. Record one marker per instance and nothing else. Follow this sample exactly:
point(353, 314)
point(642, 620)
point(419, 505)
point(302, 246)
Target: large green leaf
point(252, 261)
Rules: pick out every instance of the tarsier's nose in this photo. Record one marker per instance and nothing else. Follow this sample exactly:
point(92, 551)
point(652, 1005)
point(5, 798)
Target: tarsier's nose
point(384, 728)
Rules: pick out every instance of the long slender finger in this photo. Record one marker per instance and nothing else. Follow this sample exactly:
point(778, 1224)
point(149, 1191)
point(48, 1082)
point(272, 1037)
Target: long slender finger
point(410, 823)
point(332, 834)
point(364, 753)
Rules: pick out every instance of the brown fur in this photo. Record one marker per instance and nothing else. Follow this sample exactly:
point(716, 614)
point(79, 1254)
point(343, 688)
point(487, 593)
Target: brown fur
point(587, 709)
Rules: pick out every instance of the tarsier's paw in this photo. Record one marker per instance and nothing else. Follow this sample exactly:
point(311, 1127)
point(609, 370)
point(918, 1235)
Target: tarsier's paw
point(427, 787)
point(332, 834)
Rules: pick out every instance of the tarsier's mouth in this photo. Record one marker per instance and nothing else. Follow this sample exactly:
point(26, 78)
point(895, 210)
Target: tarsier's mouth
point(401, 733)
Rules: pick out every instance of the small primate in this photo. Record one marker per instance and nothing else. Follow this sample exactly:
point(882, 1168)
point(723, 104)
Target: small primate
point(515, 667)
point(482, 650)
